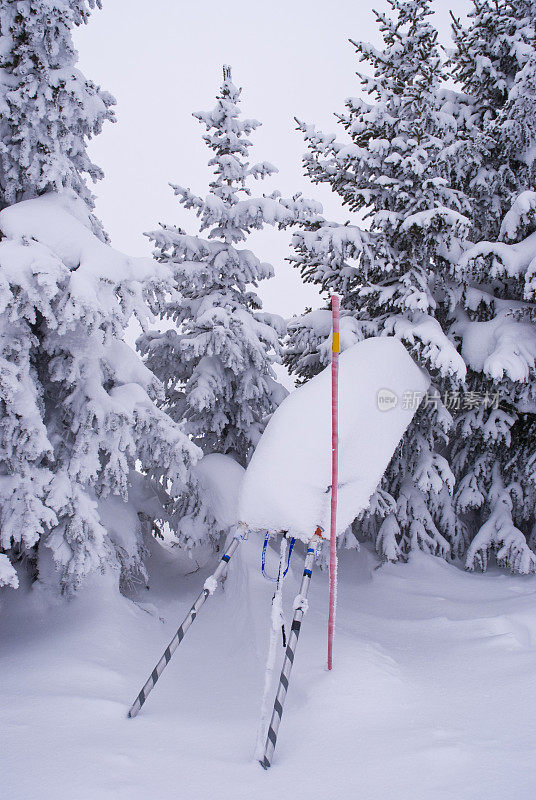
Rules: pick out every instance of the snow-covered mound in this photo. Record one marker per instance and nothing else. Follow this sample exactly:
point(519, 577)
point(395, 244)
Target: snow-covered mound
point(220, 477)
point(287, 483)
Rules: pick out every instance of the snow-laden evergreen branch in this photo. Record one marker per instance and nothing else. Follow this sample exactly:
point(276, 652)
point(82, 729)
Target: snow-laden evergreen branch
point(49, 110)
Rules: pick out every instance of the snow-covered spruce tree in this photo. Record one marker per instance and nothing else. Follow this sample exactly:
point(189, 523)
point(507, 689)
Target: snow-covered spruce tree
point(77, 410)
point(217, 362)
point(48, 109)
point(77, 404)
point(488, 55)
point(494, 449)
point(493, 62)
point(394, 278)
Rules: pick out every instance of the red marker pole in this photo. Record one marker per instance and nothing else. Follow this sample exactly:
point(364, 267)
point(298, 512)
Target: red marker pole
point(335, 305)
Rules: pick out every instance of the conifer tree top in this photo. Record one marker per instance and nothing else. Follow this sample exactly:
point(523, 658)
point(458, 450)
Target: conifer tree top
point(410, 58)
point(229, 209)
point(227, 137)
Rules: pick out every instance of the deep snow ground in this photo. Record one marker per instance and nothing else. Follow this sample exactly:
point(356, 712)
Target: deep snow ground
point(433, 694)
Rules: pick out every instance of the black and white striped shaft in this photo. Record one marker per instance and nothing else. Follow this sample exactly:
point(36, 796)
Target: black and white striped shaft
point(179, 636)
point(290, 652)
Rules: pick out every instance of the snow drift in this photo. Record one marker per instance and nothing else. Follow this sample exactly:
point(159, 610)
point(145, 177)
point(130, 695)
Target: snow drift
point(287, 483)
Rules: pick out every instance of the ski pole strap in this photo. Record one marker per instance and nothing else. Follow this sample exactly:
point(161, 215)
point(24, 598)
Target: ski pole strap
point(208, 589)
point(263, 559)
point(290, 652)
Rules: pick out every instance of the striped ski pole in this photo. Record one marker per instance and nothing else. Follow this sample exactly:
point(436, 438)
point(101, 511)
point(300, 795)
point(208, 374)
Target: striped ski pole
point(208, 589)
point(284, 679)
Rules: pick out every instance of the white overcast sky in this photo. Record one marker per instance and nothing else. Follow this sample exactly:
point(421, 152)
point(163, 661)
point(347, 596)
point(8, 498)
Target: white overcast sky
point(163, 60)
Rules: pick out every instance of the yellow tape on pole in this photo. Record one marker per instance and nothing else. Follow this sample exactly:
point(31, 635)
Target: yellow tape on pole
point(336, 341)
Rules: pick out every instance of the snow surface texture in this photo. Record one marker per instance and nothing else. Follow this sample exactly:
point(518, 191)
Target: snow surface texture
point(432, 696)
point(60, 222)
point(287, 483)
point(220, 477)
